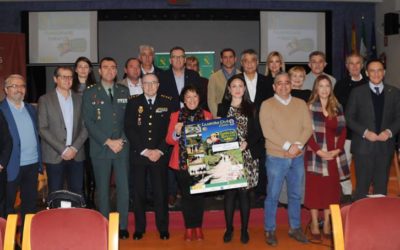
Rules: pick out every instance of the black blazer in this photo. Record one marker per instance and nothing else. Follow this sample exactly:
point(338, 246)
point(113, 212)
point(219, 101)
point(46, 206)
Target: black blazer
point(168, 85)
point(255, 139)
point(5, 142)
point(157, 71)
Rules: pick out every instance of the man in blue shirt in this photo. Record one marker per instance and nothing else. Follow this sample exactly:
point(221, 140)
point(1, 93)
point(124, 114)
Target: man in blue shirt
point(25, 160)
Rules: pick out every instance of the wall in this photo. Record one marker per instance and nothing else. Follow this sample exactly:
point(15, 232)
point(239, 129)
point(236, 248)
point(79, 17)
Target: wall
point(392, 50)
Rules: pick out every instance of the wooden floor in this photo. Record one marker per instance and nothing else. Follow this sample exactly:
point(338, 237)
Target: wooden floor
point(213, 237)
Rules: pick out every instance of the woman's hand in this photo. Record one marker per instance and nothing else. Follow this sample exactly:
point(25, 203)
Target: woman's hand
point(242, 145)
point(324, 155)
point(178, 128)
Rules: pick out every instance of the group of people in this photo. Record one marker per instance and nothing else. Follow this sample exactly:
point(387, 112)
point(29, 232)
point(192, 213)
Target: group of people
point(294, 131)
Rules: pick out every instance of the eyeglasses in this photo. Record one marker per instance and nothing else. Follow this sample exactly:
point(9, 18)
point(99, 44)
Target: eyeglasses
point(65, 78)
point(150, 83)
point(178, 57)
point(15, 86)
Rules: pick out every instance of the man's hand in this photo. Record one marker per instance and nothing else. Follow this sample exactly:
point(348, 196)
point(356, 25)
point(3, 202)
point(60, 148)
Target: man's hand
point(153, 154)
point(115, 145)
point(371, 136)
point(383, 136)
point(69, 154)
point(1, 168)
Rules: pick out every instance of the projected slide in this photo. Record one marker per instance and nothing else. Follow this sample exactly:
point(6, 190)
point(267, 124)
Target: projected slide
point(294, 34)
point(61, 37)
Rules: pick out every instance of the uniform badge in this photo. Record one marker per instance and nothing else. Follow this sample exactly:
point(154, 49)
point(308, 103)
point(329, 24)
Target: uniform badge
point(161, 110)
point(140, 109)
point(98, 114)
point(139, 121)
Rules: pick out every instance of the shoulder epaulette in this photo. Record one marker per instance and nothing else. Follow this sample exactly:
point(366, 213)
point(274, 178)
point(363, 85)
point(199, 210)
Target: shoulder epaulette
point(133, 96)
point(166, 97)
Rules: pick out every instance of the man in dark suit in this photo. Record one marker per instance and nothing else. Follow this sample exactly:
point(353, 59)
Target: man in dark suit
point(5, 151)
point(146, 124)
point(257, 84)
point(173, 80)
point(25, 161)
point(373, 115)
point(63, 133)
point(103, 112)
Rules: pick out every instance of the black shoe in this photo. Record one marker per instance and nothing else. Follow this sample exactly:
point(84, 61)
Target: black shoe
point(137, 235)
point(270, 238)
point(228, 235)
point(123, 234)
point(164, 235)
point(298, 235)
point(244, 237)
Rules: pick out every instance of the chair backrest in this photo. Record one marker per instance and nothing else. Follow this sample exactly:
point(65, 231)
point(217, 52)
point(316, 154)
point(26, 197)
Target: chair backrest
point(3, 223)
point(8, 229)
point(372, 223)
point(67, 228)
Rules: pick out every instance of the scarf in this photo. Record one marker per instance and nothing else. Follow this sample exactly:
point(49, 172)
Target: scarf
point(187, 116)
point(315, 163)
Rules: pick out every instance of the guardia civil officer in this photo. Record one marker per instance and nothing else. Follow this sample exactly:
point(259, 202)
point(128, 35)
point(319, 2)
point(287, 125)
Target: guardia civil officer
point(146, 124)
point(103, 112)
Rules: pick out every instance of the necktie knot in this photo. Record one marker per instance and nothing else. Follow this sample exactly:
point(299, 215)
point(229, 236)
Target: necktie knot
point(377, 90)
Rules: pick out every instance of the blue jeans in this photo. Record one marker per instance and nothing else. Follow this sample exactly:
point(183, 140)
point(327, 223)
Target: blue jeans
point(278, 169)
point(71, 170)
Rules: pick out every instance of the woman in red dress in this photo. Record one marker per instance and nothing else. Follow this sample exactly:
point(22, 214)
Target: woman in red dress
point(325, 161)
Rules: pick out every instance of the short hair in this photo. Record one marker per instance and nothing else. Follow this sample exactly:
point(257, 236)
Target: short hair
point(355, 54)
point(57, 70)
point(151, 74)
point(192, 59)
point(317, 53)
point(227, 50)
point(189, 88)
point(144, 47)
point(176, 48)
point(294, 69)
point(131, 59)
point(279, 75)
point(248, 52)
point(9, 79)
point(269, 56)
point(107, 58)
point(374, 60)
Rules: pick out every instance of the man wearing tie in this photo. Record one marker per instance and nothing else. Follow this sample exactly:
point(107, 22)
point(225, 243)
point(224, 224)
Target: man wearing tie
point(146, 125)
point(103, 113)
point(373, 115)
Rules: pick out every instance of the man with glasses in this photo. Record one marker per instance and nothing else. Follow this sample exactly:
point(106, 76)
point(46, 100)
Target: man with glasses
point(63, 133)
point(103, 112)
point(25, 160)
point(146, 125)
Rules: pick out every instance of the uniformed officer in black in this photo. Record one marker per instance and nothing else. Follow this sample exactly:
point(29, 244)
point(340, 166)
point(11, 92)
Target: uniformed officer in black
point(146, 125)
point(103, 112)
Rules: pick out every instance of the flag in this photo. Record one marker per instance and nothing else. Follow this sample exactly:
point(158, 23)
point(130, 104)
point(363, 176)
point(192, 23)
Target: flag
point(373, 53)
point(363, 44)
point(353, 39)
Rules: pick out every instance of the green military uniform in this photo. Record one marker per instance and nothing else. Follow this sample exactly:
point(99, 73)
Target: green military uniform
point(104, 119)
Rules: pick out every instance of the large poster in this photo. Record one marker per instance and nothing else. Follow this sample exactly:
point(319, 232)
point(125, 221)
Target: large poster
point(214, 159)
point(206, 61)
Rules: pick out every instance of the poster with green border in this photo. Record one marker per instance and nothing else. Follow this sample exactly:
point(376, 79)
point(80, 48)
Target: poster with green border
point(206, 61)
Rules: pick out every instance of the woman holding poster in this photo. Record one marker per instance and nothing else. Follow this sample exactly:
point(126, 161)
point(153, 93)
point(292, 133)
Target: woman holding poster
point(237, 104)
point(192, 205)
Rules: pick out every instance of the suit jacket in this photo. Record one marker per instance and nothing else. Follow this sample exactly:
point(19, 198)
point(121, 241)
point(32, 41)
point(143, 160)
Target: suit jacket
point(14, 162)
point(147, 129)
point(174, 161)
point(53, 131)
point(105, 119)
point(360, 116)
point(264, 90)
point(157, 71)
point(168, 85)
point(5, 142)
point(255, 138)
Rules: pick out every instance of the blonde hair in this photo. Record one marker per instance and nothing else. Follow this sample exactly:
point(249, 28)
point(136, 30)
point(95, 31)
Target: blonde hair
point(332, 106)
point(269, 57)
point(299, 69)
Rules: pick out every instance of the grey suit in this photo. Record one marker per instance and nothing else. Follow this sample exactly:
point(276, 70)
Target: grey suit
point(372, 159)
point(52, 130)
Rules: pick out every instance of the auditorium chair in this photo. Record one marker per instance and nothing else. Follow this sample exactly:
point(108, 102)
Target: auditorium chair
point(70, 228)
point(368, 224)
point(8, 229)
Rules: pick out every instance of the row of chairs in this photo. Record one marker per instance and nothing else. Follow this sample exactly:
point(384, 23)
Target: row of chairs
point(71, 228)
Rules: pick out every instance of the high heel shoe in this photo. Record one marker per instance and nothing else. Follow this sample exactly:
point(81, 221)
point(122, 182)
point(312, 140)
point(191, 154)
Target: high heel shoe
point(244, 236)
point(228, 235)
point(188, 234)
point(199, 233)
